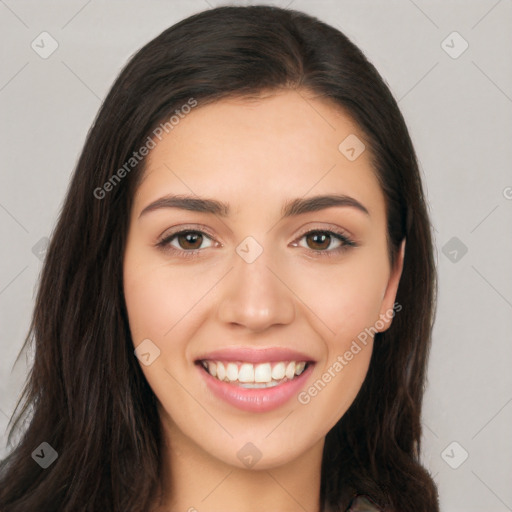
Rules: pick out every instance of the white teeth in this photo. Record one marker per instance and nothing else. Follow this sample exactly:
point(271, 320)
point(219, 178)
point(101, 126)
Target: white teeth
point(290, 370)
point(278, 371)
point(263, 373)
point(254, 376)
point(259, 385)
point(212, 368)
point(246, 373)
point(232, 372)
point(221, 371)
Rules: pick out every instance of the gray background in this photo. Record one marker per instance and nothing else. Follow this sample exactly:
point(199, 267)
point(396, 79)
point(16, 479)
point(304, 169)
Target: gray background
point(459, 112)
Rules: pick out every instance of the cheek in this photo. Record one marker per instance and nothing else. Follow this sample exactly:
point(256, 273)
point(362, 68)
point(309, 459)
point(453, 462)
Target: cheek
point(346, 302)
point(345, 297)
point(158, 297)
point(155, 306)
point(149, 304)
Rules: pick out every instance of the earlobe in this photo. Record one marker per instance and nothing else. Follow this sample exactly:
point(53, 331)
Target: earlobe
point(389, 306)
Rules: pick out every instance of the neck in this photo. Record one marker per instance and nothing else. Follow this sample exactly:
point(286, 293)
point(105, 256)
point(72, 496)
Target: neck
point(192, 480)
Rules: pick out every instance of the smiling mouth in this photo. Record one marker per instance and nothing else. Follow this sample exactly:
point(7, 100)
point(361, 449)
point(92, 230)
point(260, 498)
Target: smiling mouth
point(254, 376)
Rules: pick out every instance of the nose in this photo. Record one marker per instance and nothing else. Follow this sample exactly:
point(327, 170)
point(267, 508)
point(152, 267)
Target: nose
point(256, 295)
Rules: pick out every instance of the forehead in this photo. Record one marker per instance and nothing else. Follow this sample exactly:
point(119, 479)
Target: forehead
point(286, 144)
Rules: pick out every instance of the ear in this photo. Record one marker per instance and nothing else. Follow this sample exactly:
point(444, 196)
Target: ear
point(388, 308)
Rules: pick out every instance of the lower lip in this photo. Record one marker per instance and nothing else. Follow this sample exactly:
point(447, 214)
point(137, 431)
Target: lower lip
point(256, 400)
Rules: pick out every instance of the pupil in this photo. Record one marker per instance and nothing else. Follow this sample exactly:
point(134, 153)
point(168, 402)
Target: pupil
point(323, 238)
point(189, 238)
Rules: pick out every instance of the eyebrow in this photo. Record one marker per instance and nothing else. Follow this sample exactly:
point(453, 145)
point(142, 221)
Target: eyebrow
point(290, 208)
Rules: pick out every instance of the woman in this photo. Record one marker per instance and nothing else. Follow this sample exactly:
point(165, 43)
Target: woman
point(236, 307)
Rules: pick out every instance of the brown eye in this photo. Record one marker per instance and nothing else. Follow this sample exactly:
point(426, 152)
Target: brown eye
point(186, 242)
point(319, 240)
point(190, 240)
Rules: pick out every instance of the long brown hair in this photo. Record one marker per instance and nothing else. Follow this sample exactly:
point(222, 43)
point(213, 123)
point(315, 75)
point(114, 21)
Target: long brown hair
point(86, 395)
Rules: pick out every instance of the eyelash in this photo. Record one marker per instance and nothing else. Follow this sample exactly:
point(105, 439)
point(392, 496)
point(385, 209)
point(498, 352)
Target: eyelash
point(163, 243)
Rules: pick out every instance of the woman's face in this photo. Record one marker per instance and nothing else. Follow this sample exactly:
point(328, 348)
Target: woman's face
point(258, 286)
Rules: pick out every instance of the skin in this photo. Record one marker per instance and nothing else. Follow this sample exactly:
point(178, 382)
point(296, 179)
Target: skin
point(255, 155)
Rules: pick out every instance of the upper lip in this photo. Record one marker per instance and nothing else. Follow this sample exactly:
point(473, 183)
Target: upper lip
point(251, 355)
